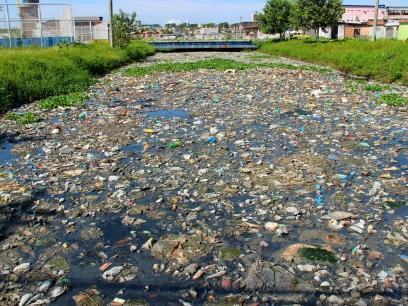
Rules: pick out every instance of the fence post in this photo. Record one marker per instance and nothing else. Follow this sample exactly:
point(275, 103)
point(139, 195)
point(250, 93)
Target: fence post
point(40, 20)
point(90, 30)
point(72, 20)
point(8, 23)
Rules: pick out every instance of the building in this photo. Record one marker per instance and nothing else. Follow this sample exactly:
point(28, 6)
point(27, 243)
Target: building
point(357, 21)
point(88, 28)
point(397, 13)
point(207, 33)
point(362, 13)
point(28, 11)
point(245, 30)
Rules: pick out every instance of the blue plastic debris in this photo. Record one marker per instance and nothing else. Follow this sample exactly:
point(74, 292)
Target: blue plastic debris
point(364, 144)
point(212, 139)
point(404, 257)
point(319, 199)
point(350, 176)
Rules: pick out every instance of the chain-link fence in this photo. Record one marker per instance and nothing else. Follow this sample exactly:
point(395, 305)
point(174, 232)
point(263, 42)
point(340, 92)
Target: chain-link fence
point(25, 24)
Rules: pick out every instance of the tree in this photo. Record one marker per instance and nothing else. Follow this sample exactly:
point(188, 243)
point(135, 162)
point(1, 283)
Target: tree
point(275, 17)
point(315, 14)
point(209, 25)
point(223, 25)
point(123, 25)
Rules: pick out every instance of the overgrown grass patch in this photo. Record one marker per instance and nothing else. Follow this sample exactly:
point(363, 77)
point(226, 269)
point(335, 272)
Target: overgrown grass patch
point(68, 100)
point(383, 60)
point(23, 118)
point(393, 99)
point(34, 73)
point(213, 64)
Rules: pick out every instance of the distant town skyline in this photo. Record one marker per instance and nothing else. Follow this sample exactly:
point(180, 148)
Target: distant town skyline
point(192, 11)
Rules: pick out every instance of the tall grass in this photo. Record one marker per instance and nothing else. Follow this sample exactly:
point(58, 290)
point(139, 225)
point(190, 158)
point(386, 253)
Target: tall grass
point(383, 60)
point(31, 74)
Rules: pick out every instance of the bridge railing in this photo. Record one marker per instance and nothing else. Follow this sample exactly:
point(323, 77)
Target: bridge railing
point(177, 45)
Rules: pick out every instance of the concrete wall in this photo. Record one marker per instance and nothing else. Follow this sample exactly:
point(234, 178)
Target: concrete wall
point(403, 31)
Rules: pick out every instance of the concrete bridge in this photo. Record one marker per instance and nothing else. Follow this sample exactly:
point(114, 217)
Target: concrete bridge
point(203, 45)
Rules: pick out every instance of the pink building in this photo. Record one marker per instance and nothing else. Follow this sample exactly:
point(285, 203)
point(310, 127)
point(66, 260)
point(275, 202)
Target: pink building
point(362, 13)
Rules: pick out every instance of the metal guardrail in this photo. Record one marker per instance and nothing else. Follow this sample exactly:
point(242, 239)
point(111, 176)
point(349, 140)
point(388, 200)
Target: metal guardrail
point(196, 45)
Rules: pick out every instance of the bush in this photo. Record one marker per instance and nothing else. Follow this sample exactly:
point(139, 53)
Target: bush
point(384, 60)
point(31, 74)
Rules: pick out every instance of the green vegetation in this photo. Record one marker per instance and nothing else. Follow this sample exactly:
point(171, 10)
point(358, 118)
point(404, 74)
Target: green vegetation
point(351, 87)
point(31, 74)
point(228, 253)
point(276, 17)
point(386, 61)
point(395, 204)
point(376, 87)
point(68, 100)
point(123, 25)
point(315, 14)
point(295, 282)
point(279, 16)
point(318, 255)
point(215, 64)
point(23, 118)
point(394, 99)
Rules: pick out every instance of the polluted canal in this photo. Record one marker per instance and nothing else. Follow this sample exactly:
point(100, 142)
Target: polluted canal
point(273, 182)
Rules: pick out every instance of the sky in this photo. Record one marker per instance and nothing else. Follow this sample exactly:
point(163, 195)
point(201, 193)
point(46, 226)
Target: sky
point(192, 11)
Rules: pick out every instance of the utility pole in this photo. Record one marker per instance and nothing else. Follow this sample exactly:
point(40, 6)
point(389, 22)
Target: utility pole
point(8, 24)
point(241, 29)
point(110, 28)
point(375, 20)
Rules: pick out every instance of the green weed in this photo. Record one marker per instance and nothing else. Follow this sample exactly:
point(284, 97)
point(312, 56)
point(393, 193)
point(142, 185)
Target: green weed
point(376, 87)
point(394, 99)
point(295, 282)
point(23, 118)
point(351, 87)
point(213, 64)
point(228, 253)
point(383, 60)
point(318, 255)
point(68, 100)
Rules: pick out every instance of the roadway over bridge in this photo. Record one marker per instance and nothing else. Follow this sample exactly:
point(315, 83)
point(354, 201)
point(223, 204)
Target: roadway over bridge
point(203, 45)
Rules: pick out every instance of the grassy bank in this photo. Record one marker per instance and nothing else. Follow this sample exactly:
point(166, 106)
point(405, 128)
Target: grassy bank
point(31, 74)
point(385, 61)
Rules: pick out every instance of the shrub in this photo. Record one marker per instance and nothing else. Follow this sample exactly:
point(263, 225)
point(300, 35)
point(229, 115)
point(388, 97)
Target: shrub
point(31, 74)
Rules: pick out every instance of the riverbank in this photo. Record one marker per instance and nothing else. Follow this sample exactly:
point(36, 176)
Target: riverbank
point(385, 61)
point(31, 74)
